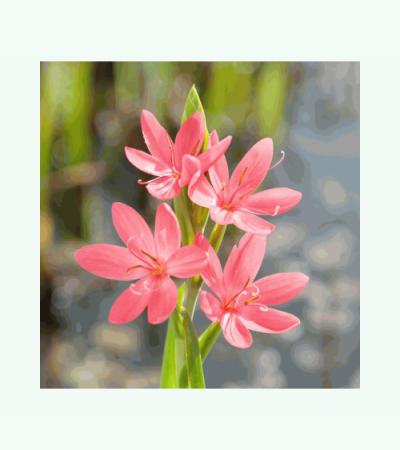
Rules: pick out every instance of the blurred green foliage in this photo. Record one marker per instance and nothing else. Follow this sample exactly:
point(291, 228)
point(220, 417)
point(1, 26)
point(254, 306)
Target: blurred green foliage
point(90, 111)
point(271, 90)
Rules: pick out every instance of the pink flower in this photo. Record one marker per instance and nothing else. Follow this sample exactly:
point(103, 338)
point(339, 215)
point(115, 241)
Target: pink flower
point(150, 259)
point(233, 200)
point(241, 304)
point(168, 160)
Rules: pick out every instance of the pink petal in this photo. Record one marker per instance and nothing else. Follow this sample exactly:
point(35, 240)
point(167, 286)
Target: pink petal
point(129, 305)
point(235, 331)
point(251, 223)
point(219, 173)
point(221, 216)
point(210, 306)
point(212, 272)
point(189, 138)
point(129, 223)
point(214, 139)
point(244, 262)
point(164, 188)
point(257, 318)
point(280, 287)
point(145, 162)
point(109, 261)
point(191, 170)
point(202, 193)
point(162, 302)
point(208, 158)
point(152, 282)
point(156, 137)
point(253, 168)
point(272, 201)
point(167, 233)
point(186, 262)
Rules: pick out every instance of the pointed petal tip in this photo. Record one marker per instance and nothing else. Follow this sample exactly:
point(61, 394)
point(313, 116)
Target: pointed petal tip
point(227, 138)
point(164, 207)
point(116, 205)
point(146, 112)
point(296, 196)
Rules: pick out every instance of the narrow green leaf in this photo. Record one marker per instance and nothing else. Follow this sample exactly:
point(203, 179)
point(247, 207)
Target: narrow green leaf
point(208, 339)
point(192, 105)
point(198, 214)
point(194, 365)
point(168, 368)
point(173, 356)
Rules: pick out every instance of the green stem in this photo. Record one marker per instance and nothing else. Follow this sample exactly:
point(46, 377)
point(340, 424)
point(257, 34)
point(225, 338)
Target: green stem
point(216, 236)
point(208, 339)
point(206, 343)
point(193, 287)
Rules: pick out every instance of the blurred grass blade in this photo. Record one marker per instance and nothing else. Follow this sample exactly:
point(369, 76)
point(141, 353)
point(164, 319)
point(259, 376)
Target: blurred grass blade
point(227, 98)
point(158, 78)
point(208, 339)
point(77, 111)
point(127, 86)
point(271, 93)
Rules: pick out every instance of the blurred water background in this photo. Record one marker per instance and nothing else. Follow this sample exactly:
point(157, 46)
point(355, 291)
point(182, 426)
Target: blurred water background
point(90, 111)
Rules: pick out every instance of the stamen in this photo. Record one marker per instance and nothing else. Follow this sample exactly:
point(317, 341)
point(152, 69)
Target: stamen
point(153, 180)
point(283, 154)
point(251, 299)
point(159, 270)
point(142, 182)
point(134, 267)
point(246, 284)
point(227, 206)
point(242, 175)
point(150, 256)
point(194, 151)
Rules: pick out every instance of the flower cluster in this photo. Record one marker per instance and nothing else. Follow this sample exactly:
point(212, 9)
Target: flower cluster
point(237, 301)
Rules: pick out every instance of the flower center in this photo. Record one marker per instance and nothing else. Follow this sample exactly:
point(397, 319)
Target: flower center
point(249, 293)
point(152, 264)
point(158, 270)
point(227, 206)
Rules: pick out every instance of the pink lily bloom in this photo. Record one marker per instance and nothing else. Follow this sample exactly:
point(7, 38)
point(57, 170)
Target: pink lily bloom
point(168, 160)
point(232, 200)
point(241, 304)
point(150, 259)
